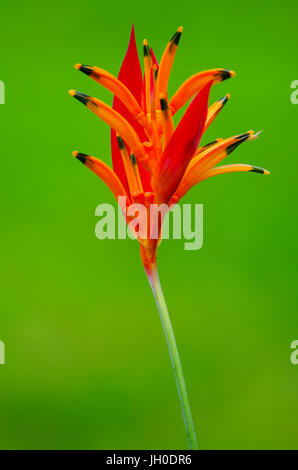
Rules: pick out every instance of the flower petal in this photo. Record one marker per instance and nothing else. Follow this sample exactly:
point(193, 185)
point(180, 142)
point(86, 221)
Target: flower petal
point(235, 167)
point(155, 66)
point(118, 88)
point(214, 109)
point(107, 175)
point(148, 75)
point(135, 186)
point(195, 83)
point(220, 170)
point(115, 120)
point(167, 119)
point(207, 146)
point(166, 64)
point(181, 147)
point(207, 159)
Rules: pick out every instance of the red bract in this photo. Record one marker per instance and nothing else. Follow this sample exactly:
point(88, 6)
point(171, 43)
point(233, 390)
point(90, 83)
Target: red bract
point(131, 76)
point(181, 147)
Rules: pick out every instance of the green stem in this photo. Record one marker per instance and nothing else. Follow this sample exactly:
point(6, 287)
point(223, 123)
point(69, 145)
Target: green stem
point(174, 355)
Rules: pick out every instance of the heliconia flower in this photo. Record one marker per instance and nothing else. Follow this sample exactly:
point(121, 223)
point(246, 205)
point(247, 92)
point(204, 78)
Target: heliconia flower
point(155, 161)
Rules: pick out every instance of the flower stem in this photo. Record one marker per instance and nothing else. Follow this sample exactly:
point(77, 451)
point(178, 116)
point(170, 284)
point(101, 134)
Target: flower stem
point(174, 355)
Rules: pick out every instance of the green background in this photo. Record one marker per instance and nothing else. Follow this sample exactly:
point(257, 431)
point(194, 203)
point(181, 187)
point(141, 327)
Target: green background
point(86, 362)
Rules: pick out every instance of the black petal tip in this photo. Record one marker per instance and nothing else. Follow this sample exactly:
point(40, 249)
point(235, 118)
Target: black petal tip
point(81, 97)
point(82, 157)
point(240, 138)
point(257, 169)
point(133, 159)
point(163, 104)
point(146, 50)
point(120, 142)
point(176, 38)
point(225, 74)
point(223, 100)
point(87, 69)
point(209, 144)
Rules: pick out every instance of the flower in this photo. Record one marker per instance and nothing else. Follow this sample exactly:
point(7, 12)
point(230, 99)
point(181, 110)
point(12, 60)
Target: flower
point(154, 162)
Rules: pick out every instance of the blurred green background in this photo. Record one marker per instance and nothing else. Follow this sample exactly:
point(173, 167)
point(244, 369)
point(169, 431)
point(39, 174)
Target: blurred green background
point(86, 362)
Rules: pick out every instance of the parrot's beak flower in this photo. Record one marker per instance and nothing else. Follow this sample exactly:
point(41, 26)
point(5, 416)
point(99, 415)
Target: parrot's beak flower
point(155, 161)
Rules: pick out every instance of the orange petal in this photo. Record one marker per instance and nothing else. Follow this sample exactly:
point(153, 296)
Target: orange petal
point(136, 171)
point(213, 154)
point(167, 119)
point(133, 183)
point(195, 83)
point(219, 170)
point(102, 170)
point(215, 109)
point(166, 65)
point(147, 67)
point(235, 167)
point(207, 159)
point(114, 85)
point(114, 120)
point(208, 146)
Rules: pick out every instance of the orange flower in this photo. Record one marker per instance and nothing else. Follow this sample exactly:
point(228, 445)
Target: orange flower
point(152, 160)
